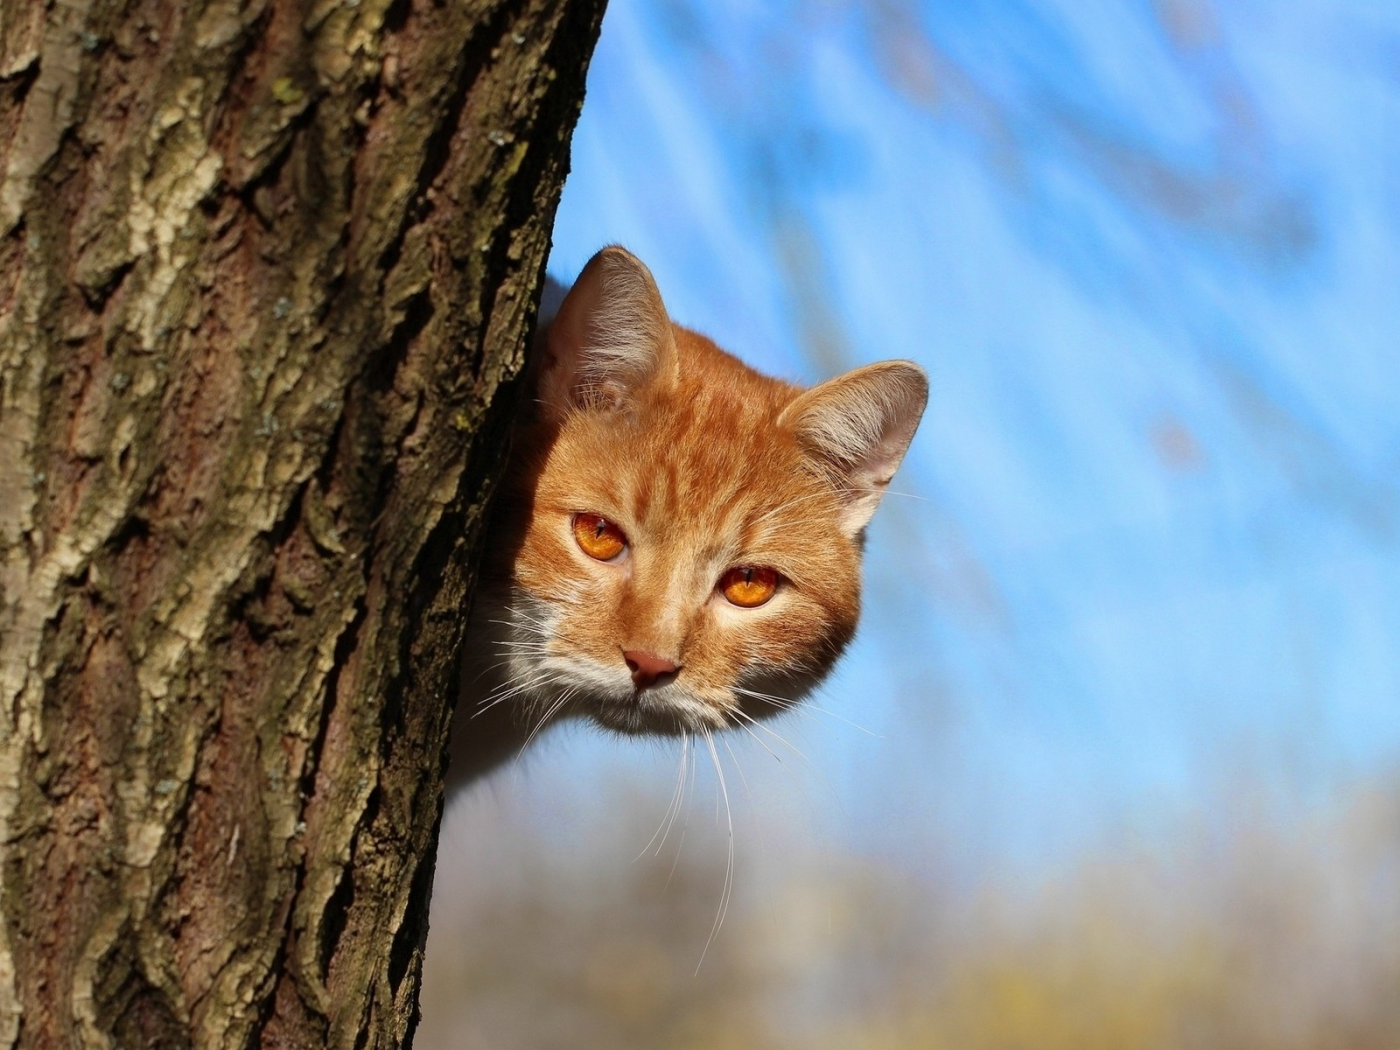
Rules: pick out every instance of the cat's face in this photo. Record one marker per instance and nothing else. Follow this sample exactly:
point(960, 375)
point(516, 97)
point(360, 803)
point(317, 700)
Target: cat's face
point(689, 528)
point(678, 547)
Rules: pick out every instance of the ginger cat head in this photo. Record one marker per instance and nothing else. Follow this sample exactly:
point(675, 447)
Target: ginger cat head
point(677, 546)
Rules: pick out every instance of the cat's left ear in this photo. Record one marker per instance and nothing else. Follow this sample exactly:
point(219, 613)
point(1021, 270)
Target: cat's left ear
point(859, 426)
point(611, 337)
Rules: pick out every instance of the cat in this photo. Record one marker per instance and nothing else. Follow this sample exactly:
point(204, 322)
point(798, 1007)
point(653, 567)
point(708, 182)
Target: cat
point(675, 547)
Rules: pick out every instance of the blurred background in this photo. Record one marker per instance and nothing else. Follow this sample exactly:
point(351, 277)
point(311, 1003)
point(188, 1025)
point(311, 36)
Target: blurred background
point(1115, 761)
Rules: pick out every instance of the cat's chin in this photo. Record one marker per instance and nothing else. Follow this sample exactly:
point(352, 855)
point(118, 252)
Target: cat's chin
point(664, 712)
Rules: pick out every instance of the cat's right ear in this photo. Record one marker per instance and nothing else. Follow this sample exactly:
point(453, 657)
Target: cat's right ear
point(611, 337)
point(858, 427)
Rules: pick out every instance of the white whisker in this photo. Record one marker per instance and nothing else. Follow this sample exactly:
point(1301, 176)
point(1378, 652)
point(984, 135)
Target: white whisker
point(685, 822)
point(668, 818)
point(729, 867)
point(675, 863)
point(776, 736)
point(523, 645)
point(737, 768)
point(749, 718)
point(553, 708)
point(513, 689)
point(487, 670)
point(537, 630)
point(783, 704)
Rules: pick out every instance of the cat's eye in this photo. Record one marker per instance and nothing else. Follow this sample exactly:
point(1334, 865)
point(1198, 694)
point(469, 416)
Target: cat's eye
point(598, 537)
point(748, 586)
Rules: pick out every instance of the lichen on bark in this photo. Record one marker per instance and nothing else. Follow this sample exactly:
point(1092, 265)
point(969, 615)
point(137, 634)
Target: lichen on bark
point(267, 273)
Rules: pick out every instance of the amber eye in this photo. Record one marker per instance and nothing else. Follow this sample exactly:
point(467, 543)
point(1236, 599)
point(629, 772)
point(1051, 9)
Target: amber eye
point(748, 586)
point(598, 537)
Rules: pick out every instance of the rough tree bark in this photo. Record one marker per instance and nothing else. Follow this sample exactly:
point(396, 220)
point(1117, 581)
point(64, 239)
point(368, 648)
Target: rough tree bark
point(266, 274)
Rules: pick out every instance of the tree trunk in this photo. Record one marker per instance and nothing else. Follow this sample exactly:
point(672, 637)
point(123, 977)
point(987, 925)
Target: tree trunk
point(267, 271)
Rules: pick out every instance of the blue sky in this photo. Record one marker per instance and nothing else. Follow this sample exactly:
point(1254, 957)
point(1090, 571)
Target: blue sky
point(1150, 255)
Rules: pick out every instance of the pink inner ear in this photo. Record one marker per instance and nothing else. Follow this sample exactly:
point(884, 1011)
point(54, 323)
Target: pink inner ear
point(611, 336)
point(859, 425)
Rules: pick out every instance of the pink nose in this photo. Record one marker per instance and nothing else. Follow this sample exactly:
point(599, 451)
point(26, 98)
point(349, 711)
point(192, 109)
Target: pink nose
point(647, 669)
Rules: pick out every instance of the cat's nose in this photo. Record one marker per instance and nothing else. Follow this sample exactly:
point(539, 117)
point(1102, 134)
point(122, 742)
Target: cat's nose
point(648, 669)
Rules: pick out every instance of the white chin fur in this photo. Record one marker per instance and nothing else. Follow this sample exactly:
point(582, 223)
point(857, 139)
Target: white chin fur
point(670, 710)
point(609, 698)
